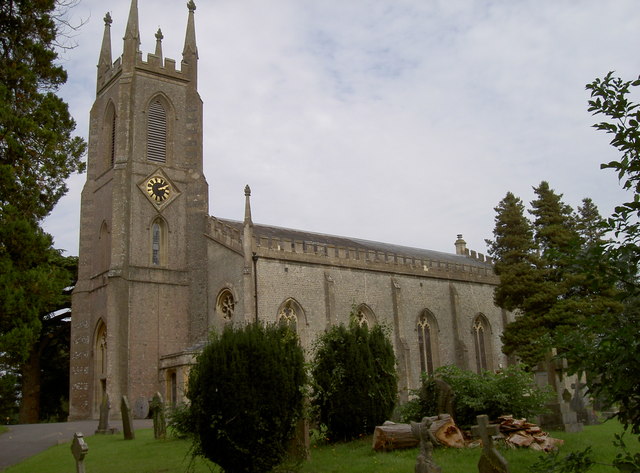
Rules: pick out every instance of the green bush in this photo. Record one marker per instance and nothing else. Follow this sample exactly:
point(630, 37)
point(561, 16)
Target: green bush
point(510, 391)
point(246, 397)
point(180, 421)
point(354, 380)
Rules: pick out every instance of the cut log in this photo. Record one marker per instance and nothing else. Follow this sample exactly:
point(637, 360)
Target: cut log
point(447, 433)
point(390, 436)
point(443, 431)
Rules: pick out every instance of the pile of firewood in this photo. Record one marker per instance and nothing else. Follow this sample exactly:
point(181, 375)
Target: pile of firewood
point(520, 433)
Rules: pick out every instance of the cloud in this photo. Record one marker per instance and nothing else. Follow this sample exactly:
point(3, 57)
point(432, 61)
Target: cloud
point(399, 121)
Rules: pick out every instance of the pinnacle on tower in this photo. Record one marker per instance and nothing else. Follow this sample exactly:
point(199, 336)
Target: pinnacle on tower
point(190, 50)
point(159, 38)
point(247, 206)
point(132, 36)
point(105, 61)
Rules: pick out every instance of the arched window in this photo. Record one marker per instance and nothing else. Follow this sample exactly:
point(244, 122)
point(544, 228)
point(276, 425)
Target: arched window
point(100, 362)
point(226, 304)
point(290, 313)
point(102, 256)
point(481, 331)
point(158, 242)
point(364, 316)
point(427, 344)
point(109, 137)
point(157, 132)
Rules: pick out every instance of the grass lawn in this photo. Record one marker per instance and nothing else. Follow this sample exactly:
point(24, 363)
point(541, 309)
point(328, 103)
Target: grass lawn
point(108, 454)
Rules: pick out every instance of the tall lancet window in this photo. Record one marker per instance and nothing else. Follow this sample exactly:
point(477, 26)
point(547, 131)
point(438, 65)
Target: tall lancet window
point(157, 132)
point(481, 343)
point(157, 242)
point(109, 139)
point(426, 343)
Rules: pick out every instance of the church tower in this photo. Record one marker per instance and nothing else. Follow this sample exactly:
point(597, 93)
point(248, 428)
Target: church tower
point(141, 290)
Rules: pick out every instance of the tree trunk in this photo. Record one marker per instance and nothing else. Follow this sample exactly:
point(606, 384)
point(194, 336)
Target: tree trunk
point(443, 431)
point(390, 436)
point(31, 379)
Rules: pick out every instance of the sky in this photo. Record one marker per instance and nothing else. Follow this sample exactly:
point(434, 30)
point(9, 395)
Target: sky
point(399, 121)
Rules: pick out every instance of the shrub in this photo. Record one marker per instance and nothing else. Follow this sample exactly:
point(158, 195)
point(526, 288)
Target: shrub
point(246, 396)
point(354, 380)
point(180, 422)
point(510, 391)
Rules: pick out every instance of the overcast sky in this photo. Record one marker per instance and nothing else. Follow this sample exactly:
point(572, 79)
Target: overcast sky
point(401, 121)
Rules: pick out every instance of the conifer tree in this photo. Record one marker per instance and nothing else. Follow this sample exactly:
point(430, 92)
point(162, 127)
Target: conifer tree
point(559, 279)
point(38, 152)
point(246, 394)
point(354, 380)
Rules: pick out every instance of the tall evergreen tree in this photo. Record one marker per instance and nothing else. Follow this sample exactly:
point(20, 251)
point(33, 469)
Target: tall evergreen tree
point(513, 251)
point(557, 278)
point(38, 152)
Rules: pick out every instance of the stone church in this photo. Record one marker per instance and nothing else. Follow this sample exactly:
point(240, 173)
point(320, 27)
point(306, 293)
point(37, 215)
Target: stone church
point(158, 273)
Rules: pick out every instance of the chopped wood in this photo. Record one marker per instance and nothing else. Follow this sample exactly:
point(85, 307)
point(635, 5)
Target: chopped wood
point(520, 433)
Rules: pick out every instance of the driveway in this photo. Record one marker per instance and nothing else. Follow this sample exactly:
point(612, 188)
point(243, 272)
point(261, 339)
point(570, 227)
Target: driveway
point(23, 441)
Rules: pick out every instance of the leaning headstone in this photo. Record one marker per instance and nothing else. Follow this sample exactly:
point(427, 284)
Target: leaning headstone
point(157, 412)
point(424, 461)
point(444, 397)
point(490, 461)
point(103, 423)
point(127, 420)
point(79, 450)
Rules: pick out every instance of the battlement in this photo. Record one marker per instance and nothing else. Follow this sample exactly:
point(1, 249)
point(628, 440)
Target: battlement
point(310, 251)
point(154, 64)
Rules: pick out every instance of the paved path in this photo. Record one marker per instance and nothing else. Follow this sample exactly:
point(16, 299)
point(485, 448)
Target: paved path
point(23, 441)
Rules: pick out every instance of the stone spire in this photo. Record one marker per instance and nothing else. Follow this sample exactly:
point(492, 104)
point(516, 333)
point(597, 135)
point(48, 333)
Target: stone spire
point(131, 37)
point(159, 38)
point(190, 50)
point(105, 61)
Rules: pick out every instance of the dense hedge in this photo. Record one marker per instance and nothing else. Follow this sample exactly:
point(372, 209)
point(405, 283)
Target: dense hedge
point(510, 391)
point(354, 380)
point(246, 396)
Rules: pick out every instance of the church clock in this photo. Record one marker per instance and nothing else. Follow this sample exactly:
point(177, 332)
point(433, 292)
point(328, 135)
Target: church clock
point(158, 189)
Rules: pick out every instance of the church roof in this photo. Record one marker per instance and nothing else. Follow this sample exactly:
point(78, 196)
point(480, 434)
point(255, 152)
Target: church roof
point(272, 232)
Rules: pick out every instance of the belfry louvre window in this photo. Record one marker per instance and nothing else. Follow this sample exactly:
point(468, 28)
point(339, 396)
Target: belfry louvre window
point(157, 133)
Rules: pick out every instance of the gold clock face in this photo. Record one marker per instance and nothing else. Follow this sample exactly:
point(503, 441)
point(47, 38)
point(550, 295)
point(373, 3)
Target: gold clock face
point(158, 189)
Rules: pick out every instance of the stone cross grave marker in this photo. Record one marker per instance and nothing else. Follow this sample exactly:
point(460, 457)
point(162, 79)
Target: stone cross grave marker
point(79, 450)
point(157, 411)
point(490, 461)
point(127, 419)
point(424, 461)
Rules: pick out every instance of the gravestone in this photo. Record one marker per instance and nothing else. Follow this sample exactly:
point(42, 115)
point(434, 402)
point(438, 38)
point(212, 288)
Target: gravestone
point(560, 415)
point(424, 461)
point(127, 420)
point(490, 460)
point(444, 398)
point(103, 423)
point(141, 408)
point(79, 450)
point(156, 406)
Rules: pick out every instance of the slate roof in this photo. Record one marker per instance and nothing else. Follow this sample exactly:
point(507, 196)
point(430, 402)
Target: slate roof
point(268, 231)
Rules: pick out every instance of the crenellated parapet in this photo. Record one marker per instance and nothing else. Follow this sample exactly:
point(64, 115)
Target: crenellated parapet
point(268, 244)
point(370, 259)
point(226, 234)
point(132, 57)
